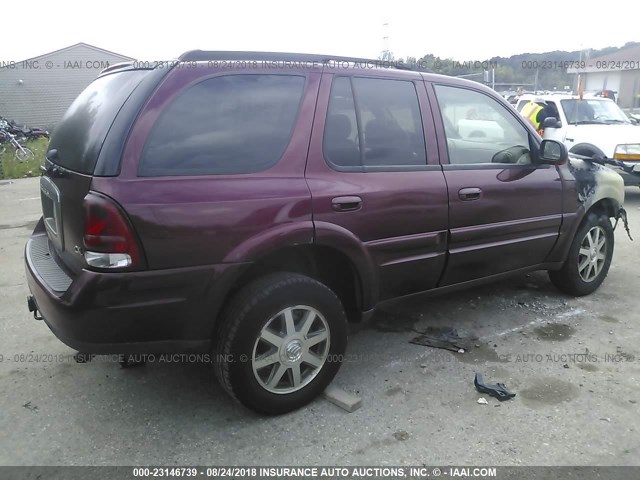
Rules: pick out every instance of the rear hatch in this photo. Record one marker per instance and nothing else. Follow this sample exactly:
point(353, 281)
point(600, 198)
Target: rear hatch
point(71, 160)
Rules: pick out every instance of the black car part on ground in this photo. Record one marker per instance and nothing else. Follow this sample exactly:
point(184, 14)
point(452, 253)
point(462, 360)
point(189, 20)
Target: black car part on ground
point(498, 390)
point(446, 338)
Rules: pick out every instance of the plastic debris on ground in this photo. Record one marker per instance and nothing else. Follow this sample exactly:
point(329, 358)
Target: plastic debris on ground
point(498, 390)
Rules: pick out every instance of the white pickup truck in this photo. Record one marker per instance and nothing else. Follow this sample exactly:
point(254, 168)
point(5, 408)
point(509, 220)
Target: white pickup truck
point(593, 126)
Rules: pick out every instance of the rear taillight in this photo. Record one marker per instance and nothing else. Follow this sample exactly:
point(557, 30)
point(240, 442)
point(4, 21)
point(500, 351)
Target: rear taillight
point(109, 240)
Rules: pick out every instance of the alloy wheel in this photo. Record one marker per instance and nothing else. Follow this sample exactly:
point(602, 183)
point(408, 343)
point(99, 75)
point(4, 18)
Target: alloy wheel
point(291, 349)
point(592, 254)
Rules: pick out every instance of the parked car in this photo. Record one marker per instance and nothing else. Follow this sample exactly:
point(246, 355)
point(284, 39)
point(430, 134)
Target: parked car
point(593, 126)
point(250, 204)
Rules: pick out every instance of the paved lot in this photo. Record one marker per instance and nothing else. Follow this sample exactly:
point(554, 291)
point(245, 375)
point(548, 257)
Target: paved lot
point(419, 403)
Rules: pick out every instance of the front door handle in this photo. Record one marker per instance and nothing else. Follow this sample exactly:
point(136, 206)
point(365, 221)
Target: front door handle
point(346, 204)
point(468, 194)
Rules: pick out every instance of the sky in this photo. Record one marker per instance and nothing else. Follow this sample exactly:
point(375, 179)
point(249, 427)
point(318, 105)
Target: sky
point(458, 29)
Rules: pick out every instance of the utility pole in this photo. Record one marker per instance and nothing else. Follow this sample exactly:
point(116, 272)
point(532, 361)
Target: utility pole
point(386, 54)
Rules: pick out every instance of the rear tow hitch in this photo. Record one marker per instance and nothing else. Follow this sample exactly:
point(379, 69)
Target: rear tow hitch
point(33, 307)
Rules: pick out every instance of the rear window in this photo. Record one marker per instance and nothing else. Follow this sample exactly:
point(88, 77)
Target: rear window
point(224, 125)
point(80, 134)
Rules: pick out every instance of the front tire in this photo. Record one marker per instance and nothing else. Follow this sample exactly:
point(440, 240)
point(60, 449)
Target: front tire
point(589, 257)
point(280, 343)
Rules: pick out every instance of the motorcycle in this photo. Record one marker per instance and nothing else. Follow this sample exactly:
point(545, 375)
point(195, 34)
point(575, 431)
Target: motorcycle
point(21, 153)
point(23, 132)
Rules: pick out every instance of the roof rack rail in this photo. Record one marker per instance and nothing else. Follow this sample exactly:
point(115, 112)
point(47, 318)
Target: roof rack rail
point(128, 65)
point(118, 66)
point(203, 55)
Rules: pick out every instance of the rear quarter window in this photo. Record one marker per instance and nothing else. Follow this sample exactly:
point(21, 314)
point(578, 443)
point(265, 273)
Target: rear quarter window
point(80, 134)
point(230, 124)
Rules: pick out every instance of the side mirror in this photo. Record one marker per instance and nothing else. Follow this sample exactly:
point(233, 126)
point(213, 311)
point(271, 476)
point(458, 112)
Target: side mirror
point(553, 152)
point(634, 120)
point(551, 122)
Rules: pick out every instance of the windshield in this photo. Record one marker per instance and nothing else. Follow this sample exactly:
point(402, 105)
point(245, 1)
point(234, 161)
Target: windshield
point(593, 111)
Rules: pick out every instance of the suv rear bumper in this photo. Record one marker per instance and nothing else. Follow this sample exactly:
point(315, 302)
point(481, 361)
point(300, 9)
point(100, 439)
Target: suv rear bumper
point(157, 311)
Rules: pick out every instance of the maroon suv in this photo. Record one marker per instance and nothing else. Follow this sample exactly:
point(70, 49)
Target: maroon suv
point(250, 204)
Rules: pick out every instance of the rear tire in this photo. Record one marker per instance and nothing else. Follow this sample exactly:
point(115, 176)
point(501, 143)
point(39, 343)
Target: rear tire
point(589, 257)
point(280, 342)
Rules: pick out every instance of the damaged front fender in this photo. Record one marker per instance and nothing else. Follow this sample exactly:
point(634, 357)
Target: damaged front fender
point(595, 182)
point(594, 186)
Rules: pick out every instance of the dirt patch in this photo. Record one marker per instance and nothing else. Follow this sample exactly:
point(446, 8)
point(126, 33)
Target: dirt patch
point(28, 225)
point(608, 319)
point(558, 332)
point(587, 367)
point(548, 391)
point(626, 357)
point(401, 436)
point(384, 321)
point(393, 391)
point(482, 353)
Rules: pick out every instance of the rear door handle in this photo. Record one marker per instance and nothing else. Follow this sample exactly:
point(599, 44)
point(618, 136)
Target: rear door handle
point(346, 204)
point(468, 194)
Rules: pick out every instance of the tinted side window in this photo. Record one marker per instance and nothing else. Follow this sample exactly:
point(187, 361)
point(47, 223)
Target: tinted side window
point(225, 125)
point(373, 122)
point(341, 144)
point(481, 130)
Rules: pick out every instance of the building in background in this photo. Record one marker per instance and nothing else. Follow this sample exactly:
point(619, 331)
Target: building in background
point(618, 71)
point(37, 91)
